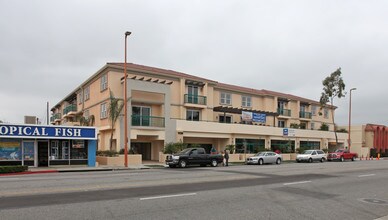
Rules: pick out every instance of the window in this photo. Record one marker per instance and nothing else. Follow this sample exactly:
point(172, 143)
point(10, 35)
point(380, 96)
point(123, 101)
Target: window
point(281, 124)
point(303, 108)
point(79, 150)
point(80, 98)
point(314, 110)
point(87, 93)
point(141, 116)
point(246, 101)
point(312, 125)
point(281, 105)
point(104, 111)
point(192, 115)
point(104, 82)
point(226, 98)
point(225, 119)
point(302, 125)
point(326, 113)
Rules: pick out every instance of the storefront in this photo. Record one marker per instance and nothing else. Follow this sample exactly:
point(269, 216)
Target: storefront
point(39, 146)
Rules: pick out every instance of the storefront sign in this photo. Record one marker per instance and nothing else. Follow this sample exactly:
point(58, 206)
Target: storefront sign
point(44, 132)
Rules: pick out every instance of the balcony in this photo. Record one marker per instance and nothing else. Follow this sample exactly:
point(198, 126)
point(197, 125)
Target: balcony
point(284, 112)
point(195, 99)
point(306, 115)
point(69, 108)
point(55, 117)
point(147, 121)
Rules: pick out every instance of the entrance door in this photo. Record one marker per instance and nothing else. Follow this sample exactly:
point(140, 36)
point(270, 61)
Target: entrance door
point(142, 148)
point(43, 154)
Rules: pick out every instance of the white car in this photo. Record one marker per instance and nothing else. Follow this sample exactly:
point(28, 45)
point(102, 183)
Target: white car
point(265, 157)
point(311, 155)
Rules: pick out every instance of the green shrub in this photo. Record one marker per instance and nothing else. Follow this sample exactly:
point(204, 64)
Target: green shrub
point(172, 148)
point(13, 169)
point(294, 125)
point(324, 127)
point(107, 153)
point(230, 148)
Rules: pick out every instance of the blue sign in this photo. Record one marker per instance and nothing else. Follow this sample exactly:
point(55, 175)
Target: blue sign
point(44, 132)
point(256, 117)
point(285, 131)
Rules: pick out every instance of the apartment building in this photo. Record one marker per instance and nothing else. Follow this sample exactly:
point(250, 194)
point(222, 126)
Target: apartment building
point(169, 106)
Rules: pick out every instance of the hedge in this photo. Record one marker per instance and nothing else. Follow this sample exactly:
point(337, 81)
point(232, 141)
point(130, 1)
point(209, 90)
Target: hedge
point(13, 169)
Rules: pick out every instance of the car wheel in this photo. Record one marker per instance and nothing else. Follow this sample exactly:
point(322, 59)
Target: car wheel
point(298, 161)
point(261, 162)
point(353, 158)
point(342, 159)
point(214, 163)
point(182, 163)
point(278, 161)
point(322, 160)
point(310, 160)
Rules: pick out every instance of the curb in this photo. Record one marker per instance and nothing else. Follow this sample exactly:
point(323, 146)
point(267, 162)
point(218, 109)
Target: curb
point(29, 172)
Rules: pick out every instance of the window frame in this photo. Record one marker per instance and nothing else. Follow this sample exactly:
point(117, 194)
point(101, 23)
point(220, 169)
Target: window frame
point(191, 115)
point(103, 111)
point(87, 93)
point(326, 113)
point(104, 82)
point(247, 103)
point(225, 100)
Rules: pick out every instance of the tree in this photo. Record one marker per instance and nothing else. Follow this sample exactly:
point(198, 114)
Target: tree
point(87, 121)
point(114, 110)
point(333, 87)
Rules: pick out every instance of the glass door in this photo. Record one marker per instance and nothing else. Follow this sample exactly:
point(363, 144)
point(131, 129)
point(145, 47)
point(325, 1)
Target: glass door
point(141, 116)
point(192, 94)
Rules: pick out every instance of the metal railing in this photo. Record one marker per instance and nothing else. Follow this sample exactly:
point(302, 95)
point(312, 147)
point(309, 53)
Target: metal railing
point(284, 112)
point(147, 121)
point(55, 117)
point(195, 99)
point(69, 108)
point(305, 115)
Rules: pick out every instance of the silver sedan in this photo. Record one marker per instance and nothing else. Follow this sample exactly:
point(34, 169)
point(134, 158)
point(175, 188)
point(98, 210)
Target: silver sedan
point(264, 158)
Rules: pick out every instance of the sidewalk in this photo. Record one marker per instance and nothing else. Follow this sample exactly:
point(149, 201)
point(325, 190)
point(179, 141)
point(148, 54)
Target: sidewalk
point(83, 168)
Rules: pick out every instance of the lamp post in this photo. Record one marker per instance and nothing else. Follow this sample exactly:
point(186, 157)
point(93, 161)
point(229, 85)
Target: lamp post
point(125, 104)
point(350, 116)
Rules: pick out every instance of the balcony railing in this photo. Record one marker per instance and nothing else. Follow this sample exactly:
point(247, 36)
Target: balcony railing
point(147, 121)
point(284, 112)
point(195, 99)
point(305, 115)
point(69, 108)
point(55, 117)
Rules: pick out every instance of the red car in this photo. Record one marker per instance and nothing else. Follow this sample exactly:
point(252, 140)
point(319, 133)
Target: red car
point(342, 155)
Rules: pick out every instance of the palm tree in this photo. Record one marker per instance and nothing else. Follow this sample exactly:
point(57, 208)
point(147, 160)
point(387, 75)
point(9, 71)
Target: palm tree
point(87, 121)
point(114, 110)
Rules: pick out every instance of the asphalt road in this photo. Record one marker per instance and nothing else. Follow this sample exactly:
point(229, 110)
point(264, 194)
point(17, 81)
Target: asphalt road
point(335, 190)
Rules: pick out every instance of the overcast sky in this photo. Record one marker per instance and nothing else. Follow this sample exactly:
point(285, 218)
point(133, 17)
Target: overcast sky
point(48, 48)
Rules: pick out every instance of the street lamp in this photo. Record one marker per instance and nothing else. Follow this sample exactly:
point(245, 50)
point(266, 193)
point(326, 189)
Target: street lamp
point(125, 104)
point(350, 116)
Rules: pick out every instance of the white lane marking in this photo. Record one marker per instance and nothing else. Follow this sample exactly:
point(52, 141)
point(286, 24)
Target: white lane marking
point(168, 196)
point(293, 183)
point(366, 175)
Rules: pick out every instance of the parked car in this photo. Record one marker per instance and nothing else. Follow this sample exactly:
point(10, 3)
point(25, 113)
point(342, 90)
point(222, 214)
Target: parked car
point(311, 155)
point(191, 156)
point(342, 155)
point(265, 157)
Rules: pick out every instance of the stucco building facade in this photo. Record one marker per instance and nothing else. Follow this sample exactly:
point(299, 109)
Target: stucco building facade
point(169, 106)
